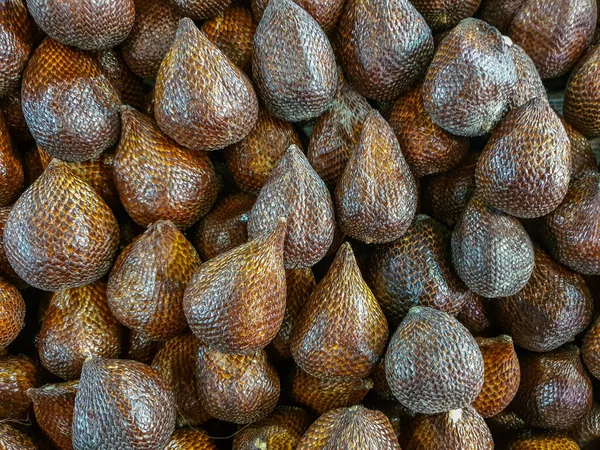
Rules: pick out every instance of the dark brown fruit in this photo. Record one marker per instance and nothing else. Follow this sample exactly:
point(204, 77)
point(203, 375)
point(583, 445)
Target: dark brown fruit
point(11, 169)
point(529, 83)
point(544, 443)
point(326, 12)
point(77, 325)
point(376, 196)
point(289, 41)
point(433, 364)
point(236, 388)
point(475, 315)
point(351, 428)
point(122, 404)
point(471, 80)
point(582, 155)
point(235, 302)
point(555, 390)
point(151, 37)
point(17, 375)
point(200, 9)
point(202, 100)
point(553, 308)
point(140, 348)
point(129, 86)
point(587, 432)
point(12, 439)
point(506, 423)
point(12, 313)
point(500, 13)
point(385, 46)
point(296, 192)
point(416, 270)
point(53, 405)
point(443, 15)
point(57, 80)
point(591, 349)
point(17, 41)
point(60, 234)
point(341, 331)
point(190, 440)
point(10, 106)
point(502, 375)
point(251, 160)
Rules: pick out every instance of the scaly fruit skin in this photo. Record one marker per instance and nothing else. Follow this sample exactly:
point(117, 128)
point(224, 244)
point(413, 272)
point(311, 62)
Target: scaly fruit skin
point(554, 307)
point(587, 432)
point(235, 302)
point(78, 324)
point(544, 443)
point(502, 375)
point(289, 41)
point(281, 430)
point(10, 106)
point(341, 331)
point(190, 440)
point(582, 97)
point(583, 158)
point(352, 428)
point(57, 79)
point(326, 12)
point(148, 280)
point(442, 15)
point(200, 9)
point(475, 315)
point(53, 405)
point(385, 46)
point(236, 388)
point(16, 44)
point(296, 192)
point(122, 404)
point(529, 84)
point(139, 348)
point(202, 100)
point(555, 390)
point(60, 234)
point(12, 313)
point(555, 34)
point(11, 168)
point(471, 80)
point(591, 349)
point(500, 13)
point(12, 439)
point(129, 86)
point(433, 363)
point(17, 375)
point(376, 196)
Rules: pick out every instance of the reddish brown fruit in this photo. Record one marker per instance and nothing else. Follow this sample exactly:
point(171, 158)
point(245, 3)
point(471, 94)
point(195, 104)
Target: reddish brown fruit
point(529, 83)
point(12, 313)
point(591, 349)
point(500, 13)
point(475, 315)
point(11, 169)
point(582, 155)
point(202, 100)
point(544, 443)
point(10, 106)
point(587, 432)
point(326, 12)
point(200, 9)
point(190, 440)
point(443, 15)
point(17, 41)
point(129, 86)
point(140, 348)
point(12, 439)
point(17, 375)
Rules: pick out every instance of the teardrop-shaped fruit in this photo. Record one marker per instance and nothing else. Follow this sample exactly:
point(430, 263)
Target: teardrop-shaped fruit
point(176, 362)
point(341, 331)
point(572, 231)
point(236, 388)
point(376, 196)
point(502, 375)
point(525, 167)
point(122, 404)
point(491, 251)
point(202, 100)
point(364, 428)
point(553, 308)
point(58, 81)
point(326, 12)
point(554, 34)
point(296, 192)
point(385, 46)
point(200, 9)
point(17, 375)
point(475, 315)
point(190, 440)
point(544, 443)
point(60, 234)
point(416, 270)
point(235, 302)
point(591, 349)
point(252, 160)
point(433, 363)
point(281, 430)
point(53, 405)
point(129, 86)
point(442, 15)
point(471, 80)
point(555, 390)
point(77, 325)
point(582, 154)
point(11, 169)
point(140, 348)
point(582, 96)
point(500, 13)
point(12, 313)
point(151, 37)
point(455, 430)
point(529, 84)
point(13, 439)
point(293, 64)
point(15, 47)
point(587, 432)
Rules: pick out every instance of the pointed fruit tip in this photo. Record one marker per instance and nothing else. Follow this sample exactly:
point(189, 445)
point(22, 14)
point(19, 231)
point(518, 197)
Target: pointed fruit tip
point(185, 25)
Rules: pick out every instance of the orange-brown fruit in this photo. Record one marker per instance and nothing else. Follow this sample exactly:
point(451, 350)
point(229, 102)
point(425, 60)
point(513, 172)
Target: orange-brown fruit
point(148, 280)
point(326, 12)
point(12, 313)
point(281, 430)
point(129, 86)
point(376, 195)
point(416, 270)
point(17, 375)
point(12, 175)
point(543, 443)
point(202, 100)
point(190, 440)
point(385, 46)
point(555, 390)
point(251, 160)
point(502, 375)
point(16, 44)
point(11, 109)
point(200, 9)
point(59, 80)
point(77, 325)
point(500, 13)
point(233, 32)
point(296, 192)
point(13, 439)
point(289, 41)
point(582, 155)
point(591, 349)
point(554, 307)
point(433, 364)
point(33, 166)
point(471, 80)
point(475, 315)
point(529, 84)
point(587, 432)
point(235, 302)
point(341, 331)
point(140, 348)
point(53, 405)
point(60, 234)
point(442, 15)
point(399, 417)
point(350, 428)
point(381, 388)
point(151, 37)
point(236, 388)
